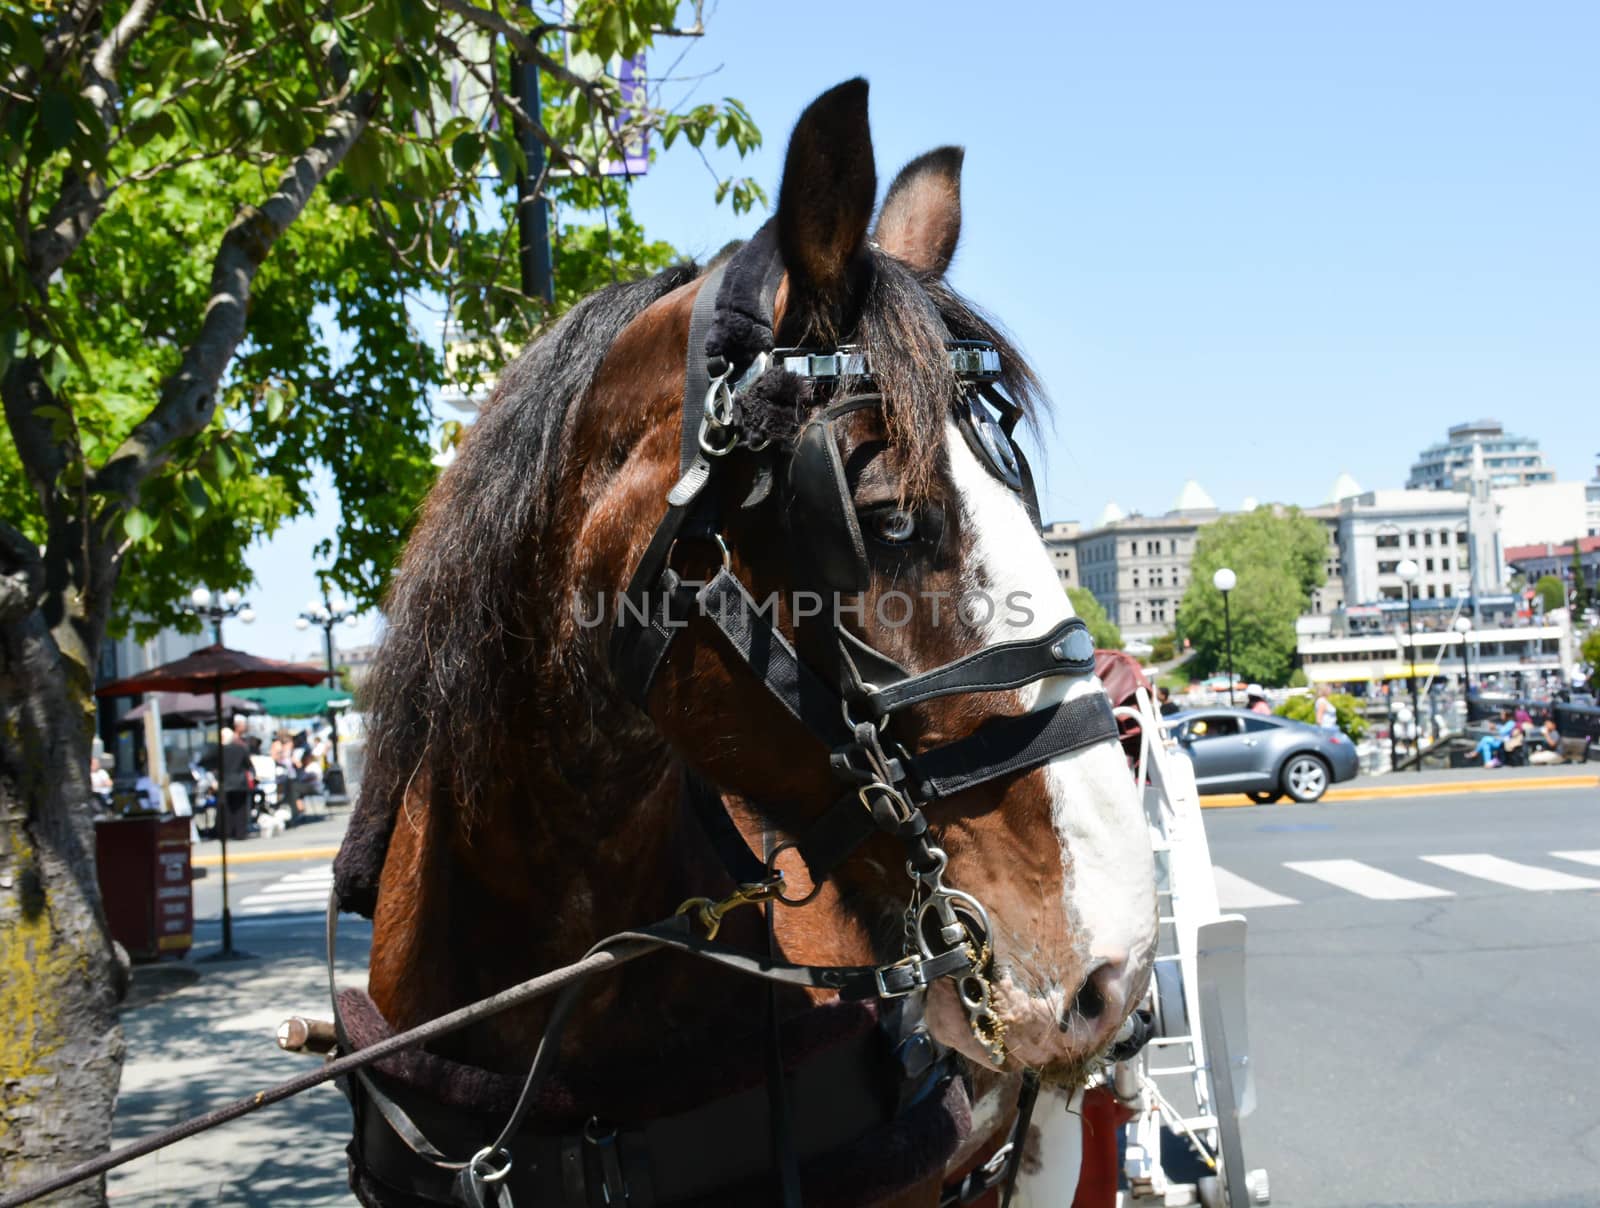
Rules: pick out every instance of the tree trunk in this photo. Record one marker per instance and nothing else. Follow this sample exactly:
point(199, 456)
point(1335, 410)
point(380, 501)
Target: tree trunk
point(60, 976)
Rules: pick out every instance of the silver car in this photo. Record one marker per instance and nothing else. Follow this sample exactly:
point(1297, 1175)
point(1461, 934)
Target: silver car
point(1262, 755)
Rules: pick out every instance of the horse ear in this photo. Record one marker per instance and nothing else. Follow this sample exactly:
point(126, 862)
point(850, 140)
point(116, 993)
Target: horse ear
point(825, 201)
point(921, 218)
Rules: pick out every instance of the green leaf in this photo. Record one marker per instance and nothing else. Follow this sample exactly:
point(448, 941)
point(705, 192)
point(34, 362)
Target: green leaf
point(137, 524)
point(57, 120)
point(466, 151)
point(206, 53)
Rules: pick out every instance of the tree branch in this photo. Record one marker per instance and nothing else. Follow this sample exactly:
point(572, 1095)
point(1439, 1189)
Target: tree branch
point(189, 397)
point(83, 194)
point(526, 46)
point(25, 394)
point(21, 574)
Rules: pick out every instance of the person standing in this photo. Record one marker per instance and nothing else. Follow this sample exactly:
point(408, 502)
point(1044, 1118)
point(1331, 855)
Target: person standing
point(1168, 705)
point(231, 763)
point(1327, 713)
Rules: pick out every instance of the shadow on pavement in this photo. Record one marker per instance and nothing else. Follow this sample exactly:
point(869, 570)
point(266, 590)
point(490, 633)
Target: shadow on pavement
point(201, 1036)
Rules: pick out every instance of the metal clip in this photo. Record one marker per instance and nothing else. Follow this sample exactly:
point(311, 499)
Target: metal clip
point(709, 913)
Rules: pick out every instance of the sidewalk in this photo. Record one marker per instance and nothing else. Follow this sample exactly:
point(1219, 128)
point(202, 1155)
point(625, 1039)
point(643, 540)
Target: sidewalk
point(312, 840)
point(200, 1034)
point(1444, 782)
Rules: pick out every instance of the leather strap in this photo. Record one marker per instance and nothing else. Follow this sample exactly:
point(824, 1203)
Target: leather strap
point(995, 668)
point(1013, 744)
point(696, 379)
point(772, 660)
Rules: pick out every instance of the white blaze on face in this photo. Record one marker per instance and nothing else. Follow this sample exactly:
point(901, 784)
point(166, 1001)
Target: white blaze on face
point(1108, 868)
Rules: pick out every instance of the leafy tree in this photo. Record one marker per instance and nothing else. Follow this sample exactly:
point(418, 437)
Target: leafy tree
point(1280, 557)
point(1102, 629)
point(1589, 652)
point(1347, 708)
point(1580, 581)
point(1164, 648)
point(219, 221)
point(1552, 592)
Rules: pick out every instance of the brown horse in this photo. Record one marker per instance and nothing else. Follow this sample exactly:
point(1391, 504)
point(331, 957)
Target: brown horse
point(518, 805)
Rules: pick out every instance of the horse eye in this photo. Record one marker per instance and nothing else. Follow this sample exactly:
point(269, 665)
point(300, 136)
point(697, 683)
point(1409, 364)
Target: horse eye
point(894, 527)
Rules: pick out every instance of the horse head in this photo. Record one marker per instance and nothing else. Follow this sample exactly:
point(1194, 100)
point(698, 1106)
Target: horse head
point(865, 495)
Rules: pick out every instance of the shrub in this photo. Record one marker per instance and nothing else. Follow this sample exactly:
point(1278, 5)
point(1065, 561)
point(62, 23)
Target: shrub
point(1348, 710)
point(1297, 678)
point(1164, 648)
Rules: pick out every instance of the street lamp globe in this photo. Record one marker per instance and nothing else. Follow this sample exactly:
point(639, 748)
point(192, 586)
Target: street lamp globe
point(351, 621)
point(340, 604)
point(1224, 580)
point(200, 598)
point(231, 598)
point(1408, 570)
point(301, 623)
point(247, 615)
point(1462, 625)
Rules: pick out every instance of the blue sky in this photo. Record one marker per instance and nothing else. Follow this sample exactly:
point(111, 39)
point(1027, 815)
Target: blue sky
point(1252, 244)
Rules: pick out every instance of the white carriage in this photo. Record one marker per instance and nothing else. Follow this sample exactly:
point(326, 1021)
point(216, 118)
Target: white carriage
point(1193, 1081)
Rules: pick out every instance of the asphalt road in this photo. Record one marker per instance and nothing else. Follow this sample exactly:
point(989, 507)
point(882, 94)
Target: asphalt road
point(1422, 1050)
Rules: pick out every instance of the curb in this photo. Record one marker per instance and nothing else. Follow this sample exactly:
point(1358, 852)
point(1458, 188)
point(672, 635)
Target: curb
point(266, 857)
point(1435, 789)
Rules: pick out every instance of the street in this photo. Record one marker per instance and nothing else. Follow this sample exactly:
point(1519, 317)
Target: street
point(1421, 1029)
point(1415, 1050)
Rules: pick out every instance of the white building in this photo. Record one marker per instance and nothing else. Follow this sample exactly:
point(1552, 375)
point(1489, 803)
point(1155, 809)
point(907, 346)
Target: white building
point(1543, 511)
point(1369, 644)
point(1510, 460)
point(1061, 539)
point(1380, 529)
point(1138, 566)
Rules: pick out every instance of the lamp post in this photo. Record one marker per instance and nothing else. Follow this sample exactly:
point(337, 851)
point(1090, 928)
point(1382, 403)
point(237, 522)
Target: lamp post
point(1225, 581)
point(326, 614)
point(218, 609)
point(1463, 626)
point(1408, 571)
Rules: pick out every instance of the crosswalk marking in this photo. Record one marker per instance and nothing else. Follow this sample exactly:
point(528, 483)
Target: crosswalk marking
point(1365, 880)
point(1509, 872)
point(304, 890)
point(1581, 857)
point(1235, 893)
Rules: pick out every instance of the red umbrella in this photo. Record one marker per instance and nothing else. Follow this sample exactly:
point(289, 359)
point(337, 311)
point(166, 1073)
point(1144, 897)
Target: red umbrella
point(215, 670)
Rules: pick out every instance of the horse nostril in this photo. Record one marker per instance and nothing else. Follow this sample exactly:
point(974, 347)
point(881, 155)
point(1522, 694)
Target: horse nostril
point(1089, 1002)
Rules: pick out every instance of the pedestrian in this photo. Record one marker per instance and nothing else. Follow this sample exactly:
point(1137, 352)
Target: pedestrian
point(231, 763)
point(1168, 705)
point(1326, 712)
point(1256, 699)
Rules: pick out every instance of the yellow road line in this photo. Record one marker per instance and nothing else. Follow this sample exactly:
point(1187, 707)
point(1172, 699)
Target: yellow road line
point(267, 857)
point(1434, 789)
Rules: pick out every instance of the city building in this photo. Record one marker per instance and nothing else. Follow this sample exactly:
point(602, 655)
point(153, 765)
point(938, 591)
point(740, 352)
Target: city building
point(1541, 512)
point(1533, 562)
point(1138, 566)
point(1330, 596)
point(1510, 460)
point(1369, 644)
point(1061, 539)
point(1591, 502)
point(1380, 529)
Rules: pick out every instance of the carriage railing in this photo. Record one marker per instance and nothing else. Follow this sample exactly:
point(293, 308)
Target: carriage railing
point(1175, 1068)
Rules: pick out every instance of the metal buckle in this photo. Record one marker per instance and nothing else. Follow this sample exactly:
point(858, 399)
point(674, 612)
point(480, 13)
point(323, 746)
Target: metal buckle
point(919, 980)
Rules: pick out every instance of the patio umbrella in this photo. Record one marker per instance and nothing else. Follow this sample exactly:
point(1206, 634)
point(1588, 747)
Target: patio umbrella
point(215, 670)
point(180, 709)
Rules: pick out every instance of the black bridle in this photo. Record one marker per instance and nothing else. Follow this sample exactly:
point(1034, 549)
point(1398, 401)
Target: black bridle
point(884, 786)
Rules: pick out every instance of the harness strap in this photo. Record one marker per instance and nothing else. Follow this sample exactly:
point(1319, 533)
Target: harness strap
point(774, 662)
point(1013, 744)
point(1065, 650)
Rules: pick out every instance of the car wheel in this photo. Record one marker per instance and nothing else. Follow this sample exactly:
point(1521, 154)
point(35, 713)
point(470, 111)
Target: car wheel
point(1305, 778)
point(1265, 796)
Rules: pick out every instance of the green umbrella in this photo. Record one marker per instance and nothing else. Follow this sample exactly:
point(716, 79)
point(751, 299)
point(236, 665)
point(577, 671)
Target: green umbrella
point(297, 701)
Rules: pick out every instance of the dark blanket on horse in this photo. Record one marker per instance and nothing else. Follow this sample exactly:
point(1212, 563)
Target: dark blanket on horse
point(906, 1150)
